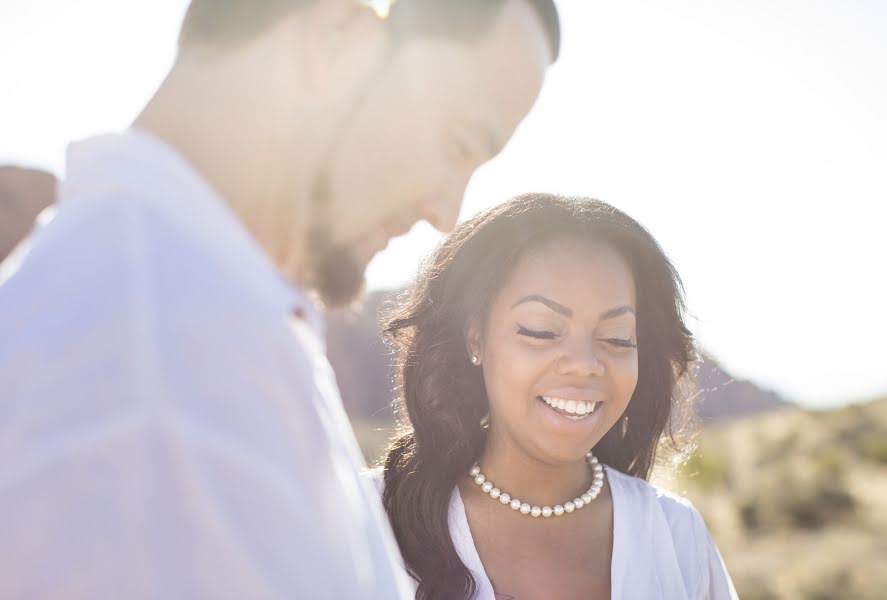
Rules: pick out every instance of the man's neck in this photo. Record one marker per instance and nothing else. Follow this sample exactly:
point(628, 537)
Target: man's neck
point(238, 161)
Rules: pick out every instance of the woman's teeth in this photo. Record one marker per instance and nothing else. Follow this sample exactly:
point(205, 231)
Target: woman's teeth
point(580, 409)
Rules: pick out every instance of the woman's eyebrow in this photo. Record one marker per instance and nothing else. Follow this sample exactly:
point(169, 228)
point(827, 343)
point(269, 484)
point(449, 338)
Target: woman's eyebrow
point(556, 307)
point(617, 312)
point(567, 312)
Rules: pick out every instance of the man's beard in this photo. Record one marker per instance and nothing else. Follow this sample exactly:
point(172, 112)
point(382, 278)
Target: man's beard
point(337, 276)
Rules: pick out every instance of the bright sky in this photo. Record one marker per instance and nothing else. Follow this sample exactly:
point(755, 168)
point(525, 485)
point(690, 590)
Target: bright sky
point(749, 136)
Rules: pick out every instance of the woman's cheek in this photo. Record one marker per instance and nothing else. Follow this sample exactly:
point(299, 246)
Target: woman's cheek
point(626, 371)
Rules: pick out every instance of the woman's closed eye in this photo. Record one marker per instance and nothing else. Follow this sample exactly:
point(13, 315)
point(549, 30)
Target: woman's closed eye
point(536, 333)
point(621, 342)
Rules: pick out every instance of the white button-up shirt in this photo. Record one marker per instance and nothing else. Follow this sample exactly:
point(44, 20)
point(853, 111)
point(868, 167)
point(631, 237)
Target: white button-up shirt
point(166, 429)
point(661, 547)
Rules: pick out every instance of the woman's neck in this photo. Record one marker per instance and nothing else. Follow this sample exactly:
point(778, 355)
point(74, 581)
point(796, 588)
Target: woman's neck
point(515, 471)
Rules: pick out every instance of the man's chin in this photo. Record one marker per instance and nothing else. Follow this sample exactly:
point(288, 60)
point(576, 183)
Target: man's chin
point(339, 280)
point(342, 299)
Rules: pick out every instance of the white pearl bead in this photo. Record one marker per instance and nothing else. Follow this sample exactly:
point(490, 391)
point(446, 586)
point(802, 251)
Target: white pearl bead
point(597, 470)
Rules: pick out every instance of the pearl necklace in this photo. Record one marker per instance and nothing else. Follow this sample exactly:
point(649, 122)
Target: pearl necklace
point(545, 511)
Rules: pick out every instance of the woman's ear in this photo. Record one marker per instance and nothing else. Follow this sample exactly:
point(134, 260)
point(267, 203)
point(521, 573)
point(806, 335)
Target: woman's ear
point(473, 342)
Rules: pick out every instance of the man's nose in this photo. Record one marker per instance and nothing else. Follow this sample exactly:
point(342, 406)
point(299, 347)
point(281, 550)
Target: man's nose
point(442, 211)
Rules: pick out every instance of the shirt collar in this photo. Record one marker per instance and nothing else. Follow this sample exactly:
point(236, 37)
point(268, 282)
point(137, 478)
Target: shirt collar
point(137, 164)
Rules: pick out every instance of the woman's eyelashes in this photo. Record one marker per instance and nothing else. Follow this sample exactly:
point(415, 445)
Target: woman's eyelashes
point(541, 334)
point(621, 342)
point(536, 333)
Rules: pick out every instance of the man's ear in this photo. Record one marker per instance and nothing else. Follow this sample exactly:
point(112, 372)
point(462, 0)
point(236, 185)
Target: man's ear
point(336, 38)
point(473, 342)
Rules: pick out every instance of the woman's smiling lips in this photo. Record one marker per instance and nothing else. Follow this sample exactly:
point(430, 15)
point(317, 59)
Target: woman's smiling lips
point(574, 405)
point(570, 407)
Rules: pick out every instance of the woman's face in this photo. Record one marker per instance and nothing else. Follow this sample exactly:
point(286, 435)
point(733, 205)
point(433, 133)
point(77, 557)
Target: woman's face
point(559, 350)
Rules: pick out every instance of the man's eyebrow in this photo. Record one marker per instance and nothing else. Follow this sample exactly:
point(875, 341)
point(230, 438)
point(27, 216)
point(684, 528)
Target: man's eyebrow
point(555, 306)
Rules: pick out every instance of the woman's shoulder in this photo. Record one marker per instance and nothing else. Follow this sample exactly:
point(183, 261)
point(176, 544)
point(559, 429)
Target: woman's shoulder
point(678, 510)
point(653, 508)
point(650, 510)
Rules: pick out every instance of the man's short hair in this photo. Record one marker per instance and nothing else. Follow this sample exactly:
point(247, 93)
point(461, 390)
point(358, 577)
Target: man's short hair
point(23, 194)
point(227, 23)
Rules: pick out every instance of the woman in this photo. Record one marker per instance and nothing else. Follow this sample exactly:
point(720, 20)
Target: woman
point(540, 330)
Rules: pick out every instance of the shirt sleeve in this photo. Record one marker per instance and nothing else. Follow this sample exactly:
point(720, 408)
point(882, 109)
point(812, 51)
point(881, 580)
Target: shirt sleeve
point(714, 581)
point(146, 451)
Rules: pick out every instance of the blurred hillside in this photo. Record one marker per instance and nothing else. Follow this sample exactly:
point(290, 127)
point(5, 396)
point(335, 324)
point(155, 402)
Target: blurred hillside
point(796, 501)
point(362, 363)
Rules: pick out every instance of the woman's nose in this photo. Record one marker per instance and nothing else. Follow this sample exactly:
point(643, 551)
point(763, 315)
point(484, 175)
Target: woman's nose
point(580, 359)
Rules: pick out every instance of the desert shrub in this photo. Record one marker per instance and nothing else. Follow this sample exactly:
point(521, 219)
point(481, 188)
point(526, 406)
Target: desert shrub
point(705, 467)
point(829, 462)
point(827, 586)
point(791, 500)
point(776, 451)
point(755, 587)
point(874, 448)
point(750, 515)
point(818, 505)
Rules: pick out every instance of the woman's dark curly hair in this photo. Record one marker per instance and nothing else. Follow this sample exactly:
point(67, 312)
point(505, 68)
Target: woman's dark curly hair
point(442, 395)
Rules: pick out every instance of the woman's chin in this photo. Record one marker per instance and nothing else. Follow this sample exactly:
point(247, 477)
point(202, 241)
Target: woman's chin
point(561, 452)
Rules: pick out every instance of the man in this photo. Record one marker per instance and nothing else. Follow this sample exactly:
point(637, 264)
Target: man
point(169, 427)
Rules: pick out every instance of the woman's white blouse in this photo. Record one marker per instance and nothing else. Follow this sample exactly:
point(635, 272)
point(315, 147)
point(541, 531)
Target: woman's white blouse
point(661, 547)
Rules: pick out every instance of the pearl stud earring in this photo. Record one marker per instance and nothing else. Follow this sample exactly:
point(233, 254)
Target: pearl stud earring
point(474, 359)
